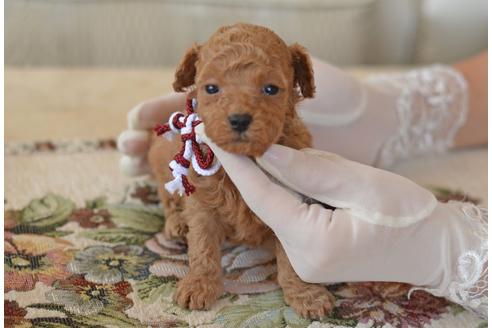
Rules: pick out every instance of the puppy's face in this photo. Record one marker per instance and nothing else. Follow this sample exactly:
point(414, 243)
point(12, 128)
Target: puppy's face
point(243, 101)
point(245, 91)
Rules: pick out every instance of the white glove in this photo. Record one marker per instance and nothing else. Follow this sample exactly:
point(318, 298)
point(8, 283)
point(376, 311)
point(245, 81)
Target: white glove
point(385, 227)
point(385, 118)
point(377, 121)
point(135, 141)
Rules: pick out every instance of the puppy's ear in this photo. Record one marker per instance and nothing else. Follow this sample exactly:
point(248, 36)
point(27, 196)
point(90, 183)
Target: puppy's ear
point(186, 71)
point(303, 70)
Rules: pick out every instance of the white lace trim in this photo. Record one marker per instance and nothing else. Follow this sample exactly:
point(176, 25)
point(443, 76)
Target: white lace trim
point(469, 282)
point(431, 107)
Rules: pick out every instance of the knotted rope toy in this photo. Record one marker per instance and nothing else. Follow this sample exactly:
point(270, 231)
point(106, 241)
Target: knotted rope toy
point(190, 152)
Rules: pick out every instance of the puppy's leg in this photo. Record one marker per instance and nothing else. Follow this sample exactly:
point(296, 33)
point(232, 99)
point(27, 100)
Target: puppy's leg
point(160, 154)
point(175, 226)
point(203, 285)
point(308, 300)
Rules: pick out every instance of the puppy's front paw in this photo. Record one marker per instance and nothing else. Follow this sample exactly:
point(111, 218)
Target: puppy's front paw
point(175, 228)
point(198, 292)
point(314, 301)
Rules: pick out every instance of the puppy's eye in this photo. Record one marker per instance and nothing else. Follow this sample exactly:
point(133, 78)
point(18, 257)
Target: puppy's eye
point(211, 89)
point(270, 90)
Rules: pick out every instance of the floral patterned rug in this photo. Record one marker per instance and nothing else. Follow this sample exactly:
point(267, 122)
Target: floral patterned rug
point(105, 263)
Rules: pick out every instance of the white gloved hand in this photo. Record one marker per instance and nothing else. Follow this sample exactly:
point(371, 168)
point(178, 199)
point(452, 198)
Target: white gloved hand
point(385, 118)
point(134, 142)
point(385, 227)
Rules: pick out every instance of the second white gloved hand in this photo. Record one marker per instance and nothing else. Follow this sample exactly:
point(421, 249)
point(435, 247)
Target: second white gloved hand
point(385, 118)
point(134, 142)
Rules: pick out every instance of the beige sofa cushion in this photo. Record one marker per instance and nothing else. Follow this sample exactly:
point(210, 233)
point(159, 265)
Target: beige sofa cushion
point(147, 33)
point(450, 30)
point(157, 32)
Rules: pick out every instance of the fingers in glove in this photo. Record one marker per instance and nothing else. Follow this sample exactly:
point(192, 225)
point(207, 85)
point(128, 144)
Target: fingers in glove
point(134, 142)
point(134, 166)
point(369, 193)
point(277, 207)
point(146, 115)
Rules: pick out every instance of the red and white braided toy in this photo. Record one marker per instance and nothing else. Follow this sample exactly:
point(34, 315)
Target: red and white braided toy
point(190, 152)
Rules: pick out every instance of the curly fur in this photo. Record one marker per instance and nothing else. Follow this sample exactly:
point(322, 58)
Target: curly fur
point(240, 59)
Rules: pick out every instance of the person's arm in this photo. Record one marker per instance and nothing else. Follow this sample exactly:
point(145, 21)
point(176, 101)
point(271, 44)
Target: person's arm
point(474, 132)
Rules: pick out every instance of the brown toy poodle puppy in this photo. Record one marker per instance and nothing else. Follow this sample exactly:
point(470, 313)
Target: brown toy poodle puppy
point(247, 82)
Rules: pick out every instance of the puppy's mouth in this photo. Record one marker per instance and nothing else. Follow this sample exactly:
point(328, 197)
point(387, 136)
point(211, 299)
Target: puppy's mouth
point(243, 145)
point(251, 142)
point(242, 138)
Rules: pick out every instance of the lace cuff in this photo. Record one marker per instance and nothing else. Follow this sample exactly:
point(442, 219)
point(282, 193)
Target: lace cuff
point(470, 284)
point(432, 105)
point(469, 279)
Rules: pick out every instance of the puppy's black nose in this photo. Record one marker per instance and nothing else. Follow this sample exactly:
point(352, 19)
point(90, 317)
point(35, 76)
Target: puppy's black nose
point(240, 122)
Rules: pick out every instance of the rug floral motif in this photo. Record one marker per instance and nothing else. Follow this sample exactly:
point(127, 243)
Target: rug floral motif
point(109, 265)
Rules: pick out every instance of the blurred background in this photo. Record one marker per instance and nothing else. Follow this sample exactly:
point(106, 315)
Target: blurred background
point(100, 57)
point(140, 33)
